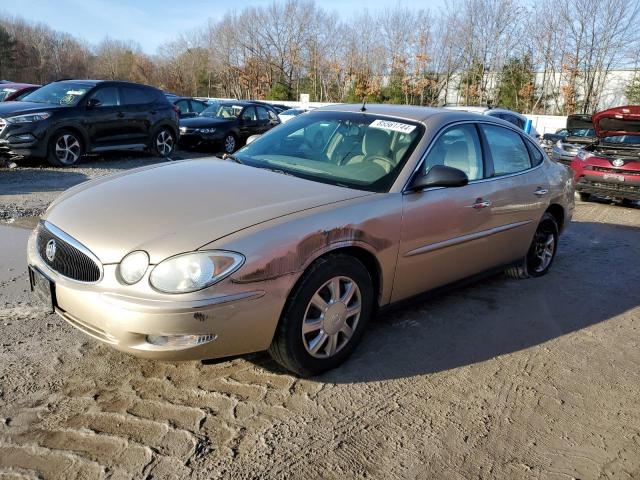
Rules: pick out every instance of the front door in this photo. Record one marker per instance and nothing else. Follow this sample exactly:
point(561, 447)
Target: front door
point(445, 231)
point(103, 120)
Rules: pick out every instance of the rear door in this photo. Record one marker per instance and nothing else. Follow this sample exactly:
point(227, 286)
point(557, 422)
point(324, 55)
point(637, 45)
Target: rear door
point(263, 119)
point(520, 189)
point(137, 107)
point(248, 122)
point(446, 231)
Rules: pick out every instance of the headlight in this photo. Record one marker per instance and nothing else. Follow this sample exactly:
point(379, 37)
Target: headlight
point(194, 271)
point(133, 267)
point(32, 117)
point(583, 155)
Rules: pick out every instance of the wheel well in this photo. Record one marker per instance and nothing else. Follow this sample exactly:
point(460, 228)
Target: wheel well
point(167, 125)
point(74, 130)
point(558, 213)
point(371, 264)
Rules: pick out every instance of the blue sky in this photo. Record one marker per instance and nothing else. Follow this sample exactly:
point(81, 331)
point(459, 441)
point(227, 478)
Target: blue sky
point(151, 22)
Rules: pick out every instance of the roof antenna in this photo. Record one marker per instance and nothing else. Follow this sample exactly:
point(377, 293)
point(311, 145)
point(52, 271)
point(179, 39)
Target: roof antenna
point(364, 104)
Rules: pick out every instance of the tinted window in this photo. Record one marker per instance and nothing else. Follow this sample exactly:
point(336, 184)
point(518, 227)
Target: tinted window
point(107, 96)
point(507, 149)
point(136, 96)
point(249, 114)
point(458, 147)
point(183, 105)
point(534, 153)
point(60, 93)
point(272, 115)
point(263, 113)
point(197, 106)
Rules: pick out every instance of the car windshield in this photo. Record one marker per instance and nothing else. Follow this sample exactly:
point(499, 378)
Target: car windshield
point(5, 92)
point(354, 150)
point(634, 139)
point(59, 93)
point(223, 111)
point(582, 132)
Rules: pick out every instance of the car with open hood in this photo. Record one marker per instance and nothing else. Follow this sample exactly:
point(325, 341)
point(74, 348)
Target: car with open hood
point(295, 241)
point(580, 132)
point(227, 125)
point(610, 165)
point(11, 92)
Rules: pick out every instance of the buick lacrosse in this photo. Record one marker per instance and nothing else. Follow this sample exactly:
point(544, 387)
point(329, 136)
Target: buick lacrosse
point(295, 242)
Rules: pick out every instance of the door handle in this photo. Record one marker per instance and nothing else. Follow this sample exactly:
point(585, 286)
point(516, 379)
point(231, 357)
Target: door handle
point(541, 191)
point(480, 204)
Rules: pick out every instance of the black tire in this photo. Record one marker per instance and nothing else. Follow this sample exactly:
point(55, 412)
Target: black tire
point(163, 142)
point(531, 265)
point(65, 148)
point(229, 143)
point(584, 196)
point(288, 346)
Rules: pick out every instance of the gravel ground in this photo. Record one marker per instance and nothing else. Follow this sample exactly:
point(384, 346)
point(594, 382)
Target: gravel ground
point(501, 379)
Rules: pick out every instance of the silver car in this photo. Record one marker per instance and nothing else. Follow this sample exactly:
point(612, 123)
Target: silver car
point(295, 242)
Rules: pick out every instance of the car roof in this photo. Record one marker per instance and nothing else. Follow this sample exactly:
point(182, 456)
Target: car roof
point(18, 85)
point(407, 112)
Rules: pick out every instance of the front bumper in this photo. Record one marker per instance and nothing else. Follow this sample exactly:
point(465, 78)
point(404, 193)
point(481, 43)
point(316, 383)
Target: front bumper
point(235, 320)
point(193, 139)
point(29, 140)
point(595, 186)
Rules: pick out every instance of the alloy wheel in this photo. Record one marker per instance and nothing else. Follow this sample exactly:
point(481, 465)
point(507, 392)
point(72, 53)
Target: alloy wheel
point(331, 317)
point(229, 144)
point(542, 250)
point(67, 149)
point(164, 143)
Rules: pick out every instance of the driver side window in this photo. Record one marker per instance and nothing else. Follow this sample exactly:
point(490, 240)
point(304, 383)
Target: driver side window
point(107, 96)
point(458, 147)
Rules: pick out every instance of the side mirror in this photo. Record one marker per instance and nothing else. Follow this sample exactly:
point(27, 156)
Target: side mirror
point(93, 103)
point(440, 176)
point(251, 139)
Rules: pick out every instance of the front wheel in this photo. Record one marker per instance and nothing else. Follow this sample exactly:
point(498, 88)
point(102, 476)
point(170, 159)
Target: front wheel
point(65, 149)
point(163, 142)
point(229, 143)
point(541, 253)
point(325, 316)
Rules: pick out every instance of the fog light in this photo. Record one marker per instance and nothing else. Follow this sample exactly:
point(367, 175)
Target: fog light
point(180, 341)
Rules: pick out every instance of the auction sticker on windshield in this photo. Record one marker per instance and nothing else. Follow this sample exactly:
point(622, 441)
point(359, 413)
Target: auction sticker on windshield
point(393, 126)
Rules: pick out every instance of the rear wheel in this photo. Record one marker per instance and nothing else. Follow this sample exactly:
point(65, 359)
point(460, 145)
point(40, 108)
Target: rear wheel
point(65, 149)
point(163, 142)
point(541, 253)
point(584, 196)
point(325, 316)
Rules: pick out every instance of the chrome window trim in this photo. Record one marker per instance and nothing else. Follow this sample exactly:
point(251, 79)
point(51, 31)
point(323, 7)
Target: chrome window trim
point(441, 132)
point(74, 243)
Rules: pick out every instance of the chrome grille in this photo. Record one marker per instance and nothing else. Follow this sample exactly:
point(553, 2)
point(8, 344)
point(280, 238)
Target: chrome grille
point(616, 171)
point(71, 259)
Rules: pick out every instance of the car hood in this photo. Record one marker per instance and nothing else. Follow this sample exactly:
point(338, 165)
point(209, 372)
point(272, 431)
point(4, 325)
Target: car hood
point(179, 207)
point(579, 121)
point(20, 108)
point(197, 122)
point(617, 121)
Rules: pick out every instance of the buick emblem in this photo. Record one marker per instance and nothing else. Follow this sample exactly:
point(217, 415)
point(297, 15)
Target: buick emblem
point(618, 162)
point(50, 251)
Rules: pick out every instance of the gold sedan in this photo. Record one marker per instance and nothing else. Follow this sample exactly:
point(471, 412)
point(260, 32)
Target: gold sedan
point(295, 242)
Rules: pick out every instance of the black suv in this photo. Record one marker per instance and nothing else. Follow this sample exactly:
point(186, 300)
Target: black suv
point(227, 124)
point(65, 119)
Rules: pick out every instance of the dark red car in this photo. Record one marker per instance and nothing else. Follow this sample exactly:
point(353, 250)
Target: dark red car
point(610, 166)
point(15, 91)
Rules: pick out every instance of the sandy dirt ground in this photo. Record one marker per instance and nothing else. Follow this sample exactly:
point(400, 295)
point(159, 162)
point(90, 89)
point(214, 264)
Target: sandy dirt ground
point(501, 379)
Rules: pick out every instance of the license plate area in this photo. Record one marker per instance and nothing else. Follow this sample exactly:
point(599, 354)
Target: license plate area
point(613, 176)
point(43, 288)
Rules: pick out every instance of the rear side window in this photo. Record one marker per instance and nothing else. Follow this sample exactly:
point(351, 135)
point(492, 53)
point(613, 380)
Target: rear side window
point(508, 151)
point(197, 106)
point(534, 153)
point(249, 114)
point(183, 105)
point(136, 96)
point(263, 113)
point(458, 147)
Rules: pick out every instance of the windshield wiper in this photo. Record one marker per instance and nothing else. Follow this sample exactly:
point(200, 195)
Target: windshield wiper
point(231, 156)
